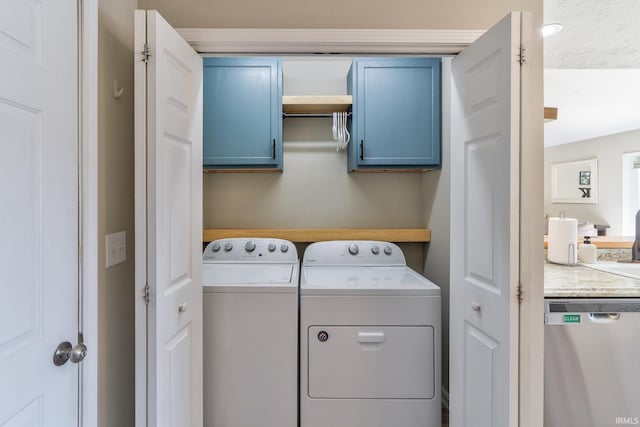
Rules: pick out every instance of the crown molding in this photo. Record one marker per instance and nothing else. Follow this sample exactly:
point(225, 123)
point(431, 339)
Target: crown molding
point(325, 41)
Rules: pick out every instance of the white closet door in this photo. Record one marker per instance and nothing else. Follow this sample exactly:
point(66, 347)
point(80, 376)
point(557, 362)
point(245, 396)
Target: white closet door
point(38, 211)
point(168, 225)
point(485, 140)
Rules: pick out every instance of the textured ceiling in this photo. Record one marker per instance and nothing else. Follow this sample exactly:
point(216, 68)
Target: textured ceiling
point(596, 34)
point(592, 69)
point(591, 103)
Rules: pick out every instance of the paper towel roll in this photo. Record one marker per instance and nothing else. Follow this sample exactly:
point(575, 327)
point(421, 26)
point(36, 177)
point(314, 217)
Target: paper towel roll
point(562, 241)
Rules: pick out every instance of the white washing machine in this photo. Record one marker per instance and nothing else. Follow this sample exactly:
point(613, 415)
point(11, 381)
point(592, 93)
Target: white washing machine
point(250, 333)
point(369, 338)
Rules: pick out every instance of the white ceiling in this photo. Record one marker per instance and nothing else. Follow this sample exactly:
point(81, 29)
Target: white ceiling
point(591, 103)
point(592, 68)
point(596, 34)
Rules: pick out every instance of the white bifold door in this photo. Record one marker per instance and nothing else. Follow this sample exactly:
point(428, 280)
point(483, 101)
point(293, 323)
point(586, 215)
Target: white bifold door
point(39, 213)
point(168, 154)
point(485, 141)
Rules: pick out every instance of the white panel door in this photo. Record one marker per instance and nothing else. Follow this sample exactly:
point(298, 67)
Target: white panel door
point(484, 229)
point(169, 222)
point(38, 211)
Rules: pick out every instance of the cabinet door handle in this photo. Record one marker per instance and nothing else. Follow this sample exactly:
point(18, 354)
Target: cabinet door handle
point(362, 149)
point(274, 149)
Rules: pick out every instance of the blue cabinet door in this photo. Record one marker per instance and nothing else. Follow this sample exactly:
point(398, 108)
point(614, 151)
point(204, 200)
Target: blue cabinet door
point(396, 113)
point(242, 108)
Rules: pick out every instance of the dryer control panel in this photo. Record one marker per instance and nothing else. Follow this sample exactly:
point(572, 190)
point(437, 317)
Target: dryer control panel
point(354, 253)
point(249, 249)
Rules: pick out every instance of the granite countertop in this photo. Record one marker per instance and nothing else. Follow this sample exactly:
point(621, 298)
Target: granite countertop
point(566, 281)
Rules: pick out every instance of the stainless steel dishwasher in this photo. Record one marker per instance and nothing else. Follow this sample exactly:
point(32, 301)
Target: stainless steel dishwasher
point(592, 362)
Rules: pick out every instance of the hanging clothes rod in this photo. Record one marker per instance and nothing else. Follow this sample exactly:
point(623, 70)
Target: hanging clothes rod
point(294, 115)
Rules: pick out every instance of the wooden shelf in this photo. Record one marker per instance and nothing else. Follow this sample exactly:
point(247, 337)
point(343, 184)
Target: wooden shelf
point(308, 235)
point(316, 104)
point(550, 114)
point(606, 242)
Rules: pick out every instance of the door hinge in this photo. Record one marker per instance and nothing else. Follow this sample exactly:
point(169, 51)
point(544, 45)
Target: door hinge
point(519, 294)
point(146, 53)
point(146, 296)
point(522, 56)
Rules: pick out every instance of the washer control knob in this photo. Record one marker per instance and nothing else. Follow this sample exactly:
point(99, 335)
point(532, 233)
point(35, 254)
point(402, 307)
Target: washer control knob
point(271, 247)
point(323, 336)
point(388, 250)
point(215, 247)
point(228, 246)
point(353, 249)
point(250, 246)
point(375, 250)
point(284, 248)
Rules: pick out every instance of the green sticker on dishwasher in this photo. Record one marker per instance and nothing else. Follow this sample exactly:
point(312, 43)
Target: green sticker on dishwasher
point(571, 318)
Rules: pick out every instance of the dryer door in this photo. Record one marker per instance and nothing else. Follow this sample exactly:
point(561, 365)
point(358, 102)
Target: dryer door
point(370, 362)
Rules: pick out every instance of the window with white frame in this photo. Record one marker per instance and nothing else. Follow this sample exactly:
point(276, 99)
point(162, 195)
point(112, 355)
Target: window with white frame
point(630, 191)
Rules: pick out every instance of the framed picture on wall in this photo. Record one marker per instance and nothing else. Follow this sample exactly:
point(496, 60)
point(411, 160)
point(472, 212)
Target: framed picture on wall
point(585, 177)
point(575, 182)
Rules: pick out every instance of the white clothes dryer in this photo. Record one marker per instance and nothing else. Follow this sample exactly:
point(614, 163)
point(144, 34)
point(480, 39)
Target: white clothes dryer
point(250, 333)
point(369, 338)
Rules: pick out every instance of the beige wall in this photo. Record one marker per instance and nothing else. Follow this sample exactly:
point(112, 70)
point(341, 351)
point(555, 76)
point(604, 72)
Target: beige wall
point(115, 205)
point(400, 14)
point(608, 150)
point(314, 191)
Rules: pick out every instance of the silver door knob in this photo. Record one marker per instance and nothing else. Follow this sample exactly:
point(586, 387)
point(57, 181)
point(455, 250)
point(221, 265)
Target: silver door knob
point(475, 306)
point(65, 351)
point(183, 307)
point(78, 353)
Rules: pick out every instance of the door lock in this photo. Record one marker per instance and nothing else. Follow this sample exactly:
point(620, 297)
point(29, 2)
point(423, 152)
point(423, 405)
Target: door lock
point(65, 351)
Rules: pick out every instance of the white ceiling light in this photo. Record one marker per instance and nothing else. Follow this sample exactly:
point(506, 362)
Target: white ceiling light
point(551, 29)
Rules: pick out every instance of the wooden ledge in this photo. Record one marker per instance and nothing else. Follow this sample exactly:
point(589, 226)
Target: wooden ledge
point(606, 242)
point(316, 104)
point(309, 235)
point(550, 114)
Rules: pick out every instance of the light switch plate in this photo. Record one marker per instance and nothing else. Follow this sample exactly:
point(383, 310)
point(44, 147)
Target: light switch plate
point(116, 248)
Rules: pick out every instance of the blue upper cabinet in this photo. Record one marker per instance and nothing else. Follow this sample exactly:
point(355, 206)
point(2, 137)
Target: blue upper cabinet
point(242, 110)
point(396, 113)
